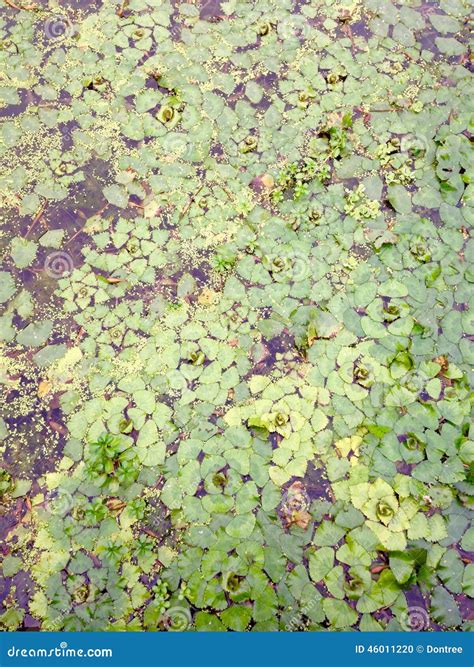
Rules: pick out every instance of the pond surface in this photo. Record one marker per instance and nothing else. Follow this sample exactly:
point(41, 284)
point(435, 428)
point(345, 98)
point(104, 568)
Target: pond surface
point(236, 314)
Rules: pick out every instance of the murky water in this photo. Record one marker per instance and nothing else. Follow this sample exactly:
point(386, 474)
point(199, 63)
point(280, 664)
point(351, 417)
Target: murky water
point(39, 425)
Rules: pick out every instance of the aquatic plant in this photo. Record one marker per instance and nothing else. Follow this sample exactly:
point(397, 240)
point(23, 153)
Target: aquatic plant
point(236, 312)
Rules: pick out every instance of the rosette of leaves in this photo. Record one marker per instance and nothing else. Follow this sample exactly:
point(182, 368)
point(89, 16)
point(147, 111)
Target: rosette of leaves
point(413, 448)
point(359, 206)
point(294, 179)
point(381, 315)
point(305, 97)
point(419, 248)
point(385, 151)
point(278, 265)
point(273, 422)
point(249, 144)
point(381, 503)
point(155, 612)
point(310, 325)
point(362, 374)
point(387, 310)
point(111, 462)
point(358, 580)
point(332, 140)
point(386, 516)
point(92, 513)
point(232, 582)
point(224, 259)
point(401, 364)
point(170, 112)
point(144, 552)
point(6, 483)
point(196, 357)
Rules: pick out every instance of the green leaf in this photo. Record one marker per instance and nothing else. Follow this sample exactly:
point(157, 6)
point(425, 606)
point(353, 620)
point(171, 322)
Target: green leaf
point(467, 542)
point(265, 605)
point(393, 288)
point(321, 562)
point(186, 285)
point(451, 571)
point(468, 580)
point(339, 613)
point(383, 593)
point(399, 198)
point(328, 534)
point(402, 565)
point(444, 608)
point(52, 239)
point(389, 540)
point(116, 195)
point(23, 252)
point(35, 334)
point(11, 565)
point(22, 486)
point(449, 46)
point(205, 622)
point(238, 459)
point(258, 383)
point(254, 92)
point(236, 618)
point(12, 618)
point(241, 526)
point(7, 286)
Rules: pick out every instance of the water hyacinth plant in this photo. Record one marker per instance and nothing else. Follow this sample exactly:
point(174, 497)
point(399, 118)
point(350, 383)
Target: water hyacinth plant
point(236, 316)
